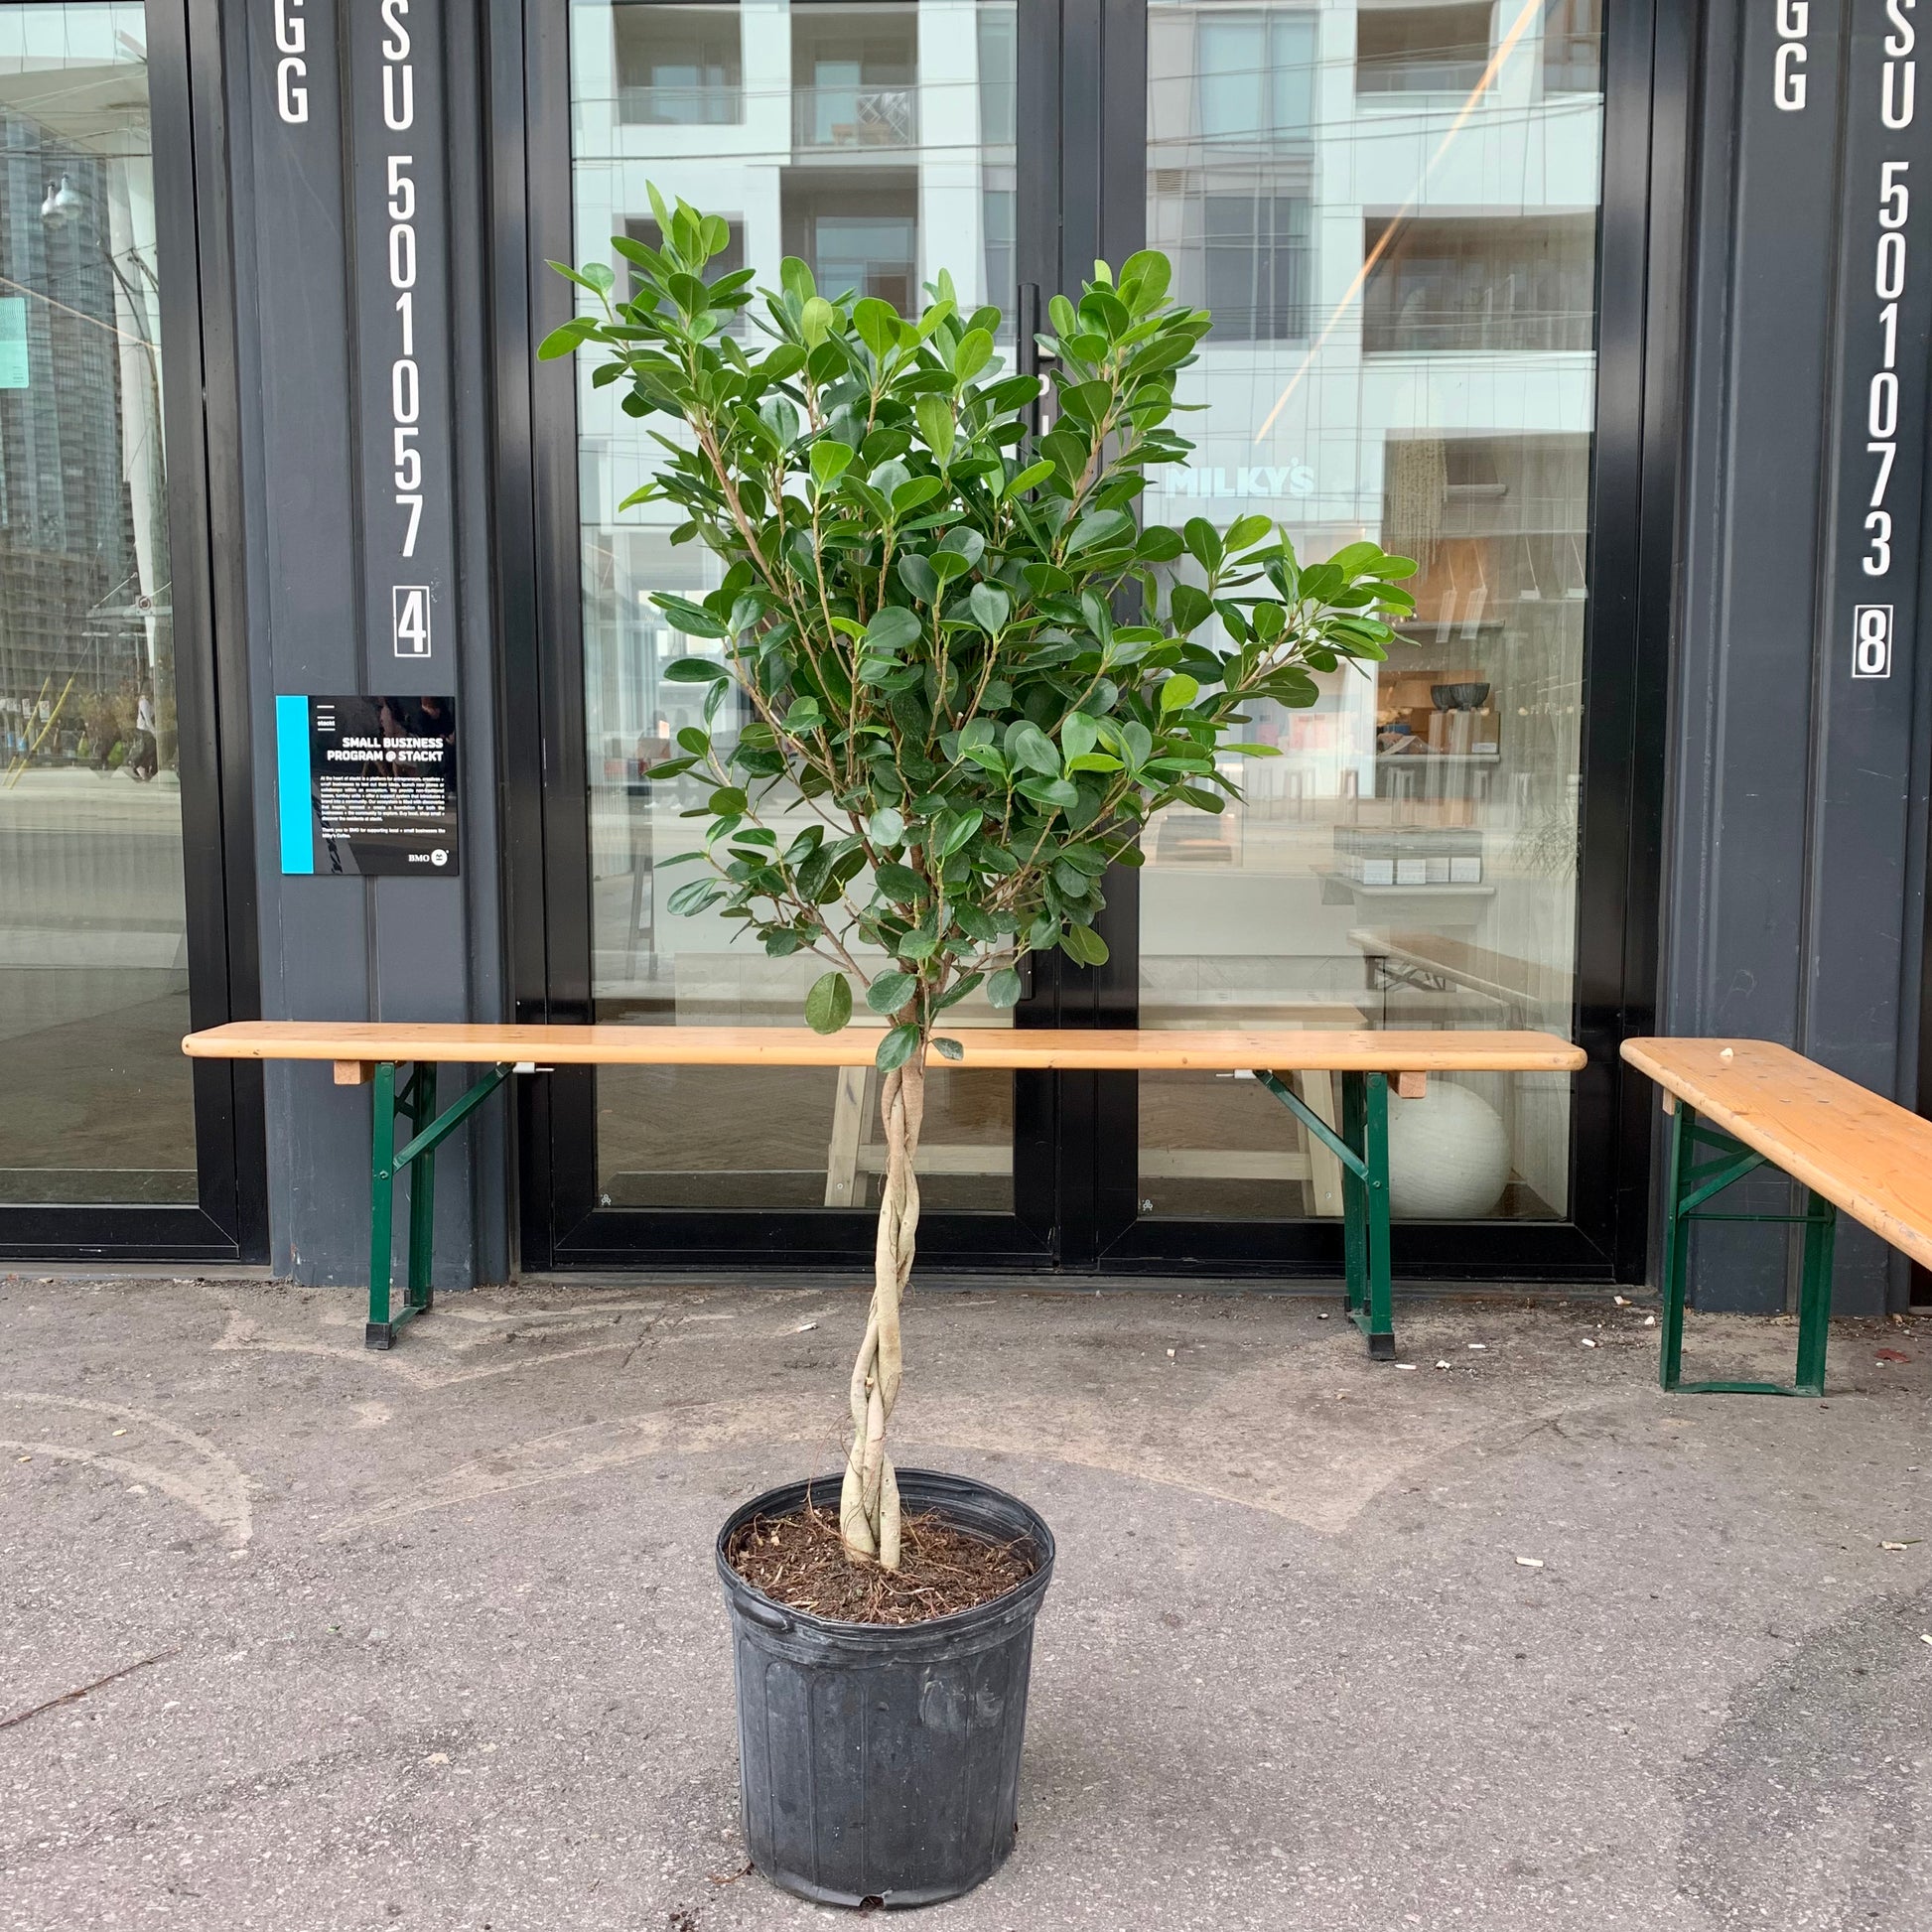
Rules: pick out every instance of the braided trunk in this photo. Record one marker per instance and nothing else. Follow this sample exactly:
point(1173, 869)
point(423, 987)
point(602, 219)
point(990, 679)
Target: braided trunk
point(869, 1500)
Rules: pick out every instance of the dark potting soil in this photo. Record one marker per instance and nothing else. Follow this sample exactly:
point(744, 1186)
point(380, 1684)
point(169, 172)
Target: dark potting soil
point(799, 1560)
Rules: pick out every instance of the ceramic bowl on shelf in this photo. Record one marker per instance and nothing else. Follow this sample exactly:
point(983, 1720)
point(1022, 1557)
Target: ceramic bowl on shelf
point(1459, 697)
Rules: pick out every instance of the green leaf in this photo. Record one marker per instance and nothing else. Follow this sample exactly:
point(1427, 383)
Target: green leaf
point(886, 826)
point(900, 883)
point(991, 606)
point(1189, 609)
point(1103, 527)
point(830, 460)
point(935, 419)
point(565, 341)
point(694, 895)
point(1085, 403)
point(965, 542)
point(952, 830)
point(878, 325)
point(1247, 531)
point(816, 320)
point(694, 670)
point(896, 1048)
point(909, 495)
point(1051, 791)
point(948, 1050)
point(974, 353)
point(1203, 542)
point(891, 629)
point(1143, 279)
point(890, 991)
point(1082, 943)
point(828, 1006)
point(1003, 989)
point(691, 619)
point(804, 716)
point(585, 278)
point(780, 416)
point(919, 577)
point(1178, 692)
point(1026, 743)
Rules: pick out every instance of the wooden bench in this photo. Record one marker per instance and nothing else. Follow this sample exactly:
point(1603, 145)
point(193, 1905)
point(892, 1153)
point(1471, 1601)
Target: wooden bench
point(1737, 1105)
point(1368, 1063)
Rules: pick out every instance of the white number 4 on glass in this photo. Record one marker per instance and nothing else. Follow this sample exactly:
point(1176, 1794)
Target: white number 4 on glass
point(410, 610)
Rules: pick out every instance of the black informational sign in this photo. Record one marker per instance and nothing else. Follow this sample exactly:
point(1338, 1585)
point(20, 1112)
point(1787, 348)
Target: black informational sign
point(369, 786)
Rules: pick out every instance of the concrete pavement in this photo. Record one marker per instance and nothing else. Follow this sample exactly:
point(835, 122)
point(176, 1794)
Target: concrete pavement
point(431, 1639)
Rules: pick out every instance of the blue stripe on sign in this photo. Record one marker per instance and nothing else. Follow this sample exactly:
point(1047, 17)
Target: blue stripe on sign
point(292, 782)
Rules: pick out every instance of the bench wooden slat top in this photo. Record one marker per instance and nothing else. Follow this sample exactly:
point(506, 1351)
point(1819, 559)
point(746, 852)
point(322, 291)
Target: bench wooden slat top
point(1332, 1050)
point(1861, 1151)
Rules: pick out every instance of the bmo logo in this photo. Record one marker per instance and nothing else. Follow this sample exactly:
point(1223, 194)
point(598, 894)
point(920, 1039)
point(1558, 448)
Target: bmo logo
point(1871, 640)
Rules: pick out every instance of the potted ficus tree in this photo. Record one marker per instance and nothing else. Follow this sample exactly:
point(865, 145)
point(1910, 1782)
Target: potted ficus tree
point(971, 677)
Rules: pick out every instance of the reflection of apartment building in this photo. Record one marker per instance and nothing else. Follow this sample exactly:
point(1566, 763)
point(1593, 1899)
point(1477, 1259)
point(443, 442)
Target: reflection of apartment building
point(70, 568)
point(875, 141)
point(1392, 212)
point(1373, 200)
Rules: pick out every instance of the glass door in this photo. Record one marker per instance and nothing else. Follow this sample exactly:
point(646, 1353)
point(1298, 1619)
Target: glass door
point(1395, 213)
point(877, 141)
point(109, 1139)
point(1426, 333)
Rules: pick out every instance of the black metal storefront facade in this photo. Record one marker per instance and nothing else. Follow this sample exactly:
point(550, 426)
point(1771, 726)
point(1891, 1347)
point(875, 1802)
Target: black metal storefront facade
point(1752, 815)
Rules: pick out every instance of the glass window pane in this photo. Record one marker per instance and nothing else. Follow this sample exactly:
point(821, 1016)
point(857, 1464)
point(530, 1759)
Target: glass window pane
point(678, 66)
point(1428, 49)
point(1404, 351)
point(1233, 77)
point(93, 972)
point(875, 142)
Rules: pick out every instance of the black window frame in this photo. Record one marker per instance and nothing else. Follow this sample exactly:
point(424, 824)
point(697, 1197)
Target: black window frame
point(200, 421)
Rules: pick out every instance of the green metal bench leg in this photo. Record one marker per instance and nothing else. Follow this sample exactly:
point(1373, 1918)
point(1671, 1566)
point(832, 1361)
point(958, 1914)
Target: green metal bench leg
point(1676, 1248)
point(1375, 1154)
point(1691, 1185)
point(1815, 1294)
point(381, 1331)
point(1354, 1204)
point(422, 1190)
point(428, 1129)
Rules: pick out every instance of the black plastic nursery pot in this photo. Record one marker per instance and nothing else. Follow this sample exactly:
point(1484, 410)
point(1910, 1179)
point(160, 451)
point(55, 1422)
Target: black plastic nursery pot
point(881, 1762)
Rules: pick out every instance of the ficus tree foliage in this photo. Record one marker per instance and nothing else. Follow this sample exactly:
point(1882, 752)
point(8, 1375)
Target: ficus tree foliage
point(971, 675)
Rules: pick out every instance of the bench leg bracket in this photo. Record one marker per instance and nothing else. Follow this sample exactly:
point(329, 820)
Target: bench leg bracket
point(1362, 1151)
point(1690, 1185)
point(428, 1129)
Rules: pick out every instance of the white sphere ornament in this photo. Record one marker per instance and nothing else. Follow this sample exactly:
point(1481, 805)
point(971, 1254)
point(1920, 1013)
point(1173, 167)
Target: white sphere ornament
point(1448, 1155)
